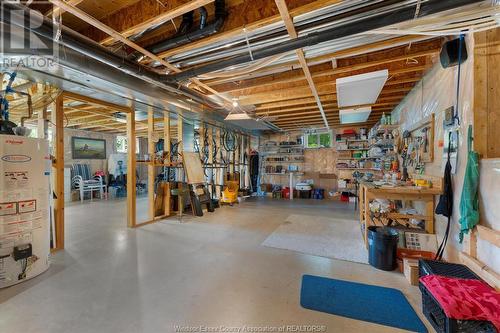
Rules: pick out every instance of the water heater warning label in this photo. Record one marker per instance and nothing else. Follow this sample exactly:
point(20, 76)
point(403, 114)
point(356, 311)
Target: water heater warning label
point(8, 208)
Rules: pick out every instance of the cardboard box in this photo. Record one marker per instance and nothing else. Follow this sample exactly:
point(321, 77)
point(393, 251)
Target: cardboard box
point(411, 270)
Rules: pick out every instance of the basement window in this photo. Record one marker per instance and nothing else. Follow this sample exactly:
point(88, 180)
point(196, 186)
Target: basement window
point(121, 144)
point(319, 140)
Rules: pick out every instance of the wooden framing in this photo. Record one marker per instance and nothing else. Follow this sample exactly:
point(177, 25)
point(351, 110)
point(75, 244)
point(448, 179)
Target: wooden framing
point(487, 93)
point(285, 15)
point(166, 16)
point(151, 164)
point(59, 173)
point(131, 170)
point(166, 148)
point(119, 37)
point(469, 258)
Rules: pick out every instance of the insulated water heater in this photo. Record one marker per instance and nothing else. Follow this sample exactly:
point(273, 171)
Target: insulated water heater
point(24, 208)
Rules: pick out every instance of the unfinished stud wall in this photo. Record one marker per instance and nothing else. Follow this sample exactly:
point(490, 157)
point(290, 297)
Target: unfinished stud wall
point(435, 93)
point(487, 92)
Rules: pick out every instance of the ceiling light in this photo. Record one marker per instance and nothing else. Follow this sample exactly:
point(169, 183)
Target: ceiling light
point(235, 104)
point(120, 117)
point(360, 89)
point(238, 116)
point(352, 116)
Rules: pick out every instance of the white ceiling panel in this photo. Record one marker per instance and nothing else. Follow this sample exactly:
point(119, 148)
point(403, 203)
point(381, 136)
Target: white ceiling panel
point(353, 116)
point(360, 89)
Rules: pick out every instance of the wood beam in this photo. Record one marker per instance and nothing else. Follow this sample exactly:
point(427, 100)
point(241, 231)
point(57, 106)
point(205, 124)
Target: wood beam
point(131, 170)
point(274, 71)
point(267, 82)
point(119, 37)
point(56, 11)
point(163, 17)
point(151, 167)
point(93, 101)
point(329, 115)
point(348, 70)
point(301, 106)
point(299, 93)
point(59, 173)
point(285, 16)
point(327, 111)
point(264, 15)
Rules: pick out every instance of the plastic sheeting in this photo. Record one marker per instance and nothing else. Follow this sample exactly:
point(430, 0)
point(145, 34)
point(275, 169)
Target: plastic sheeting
point(432, 95)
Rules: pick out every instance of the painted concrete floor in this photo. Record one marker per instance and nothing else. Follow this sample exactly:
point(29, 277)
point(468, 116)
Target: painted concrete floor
point(209, 271)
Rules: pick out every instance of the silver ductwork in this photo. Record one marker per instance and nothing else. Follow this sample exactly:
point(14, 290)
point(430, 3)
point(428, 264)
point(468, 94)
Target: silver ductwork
point(81, 53)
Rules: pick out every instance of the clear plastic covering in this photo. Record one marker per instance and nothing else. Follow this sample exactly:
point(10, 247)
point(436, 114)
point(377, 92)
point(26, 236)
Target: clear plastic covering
point(436, 92)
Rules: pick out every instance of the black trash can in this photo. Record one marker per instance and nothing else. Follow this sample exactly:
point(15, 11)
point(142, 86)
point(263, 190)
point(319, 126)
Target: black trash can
point(382, 247)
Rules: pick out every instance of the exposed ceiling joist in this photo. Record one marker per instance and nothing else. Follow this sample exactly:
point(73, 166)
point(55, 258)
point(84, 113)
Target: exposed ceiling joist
point(163, 17)
point(300, 55)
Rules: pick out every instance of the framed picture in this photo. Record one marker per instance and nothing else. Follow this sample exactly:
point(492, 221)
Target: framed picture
point(89, 149)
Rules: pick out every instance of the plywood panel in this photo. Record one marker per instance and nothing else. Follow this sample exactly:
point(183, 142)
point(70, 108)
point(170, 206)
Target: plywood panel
point(193, 168)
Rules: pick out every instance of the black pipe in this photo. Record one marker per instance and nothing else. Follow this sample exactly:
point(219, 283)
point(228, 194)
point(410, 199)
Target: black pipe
point(345, 30)
point(186, 23)
point(93, 50)
point(203, 17)
point(207, 30)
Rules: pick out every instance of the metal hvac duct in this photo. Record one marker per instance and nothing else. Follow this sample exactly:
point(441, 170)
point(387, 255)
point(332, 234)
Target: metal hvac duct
point(313, 38)
point(96, 59)
point(202, 32)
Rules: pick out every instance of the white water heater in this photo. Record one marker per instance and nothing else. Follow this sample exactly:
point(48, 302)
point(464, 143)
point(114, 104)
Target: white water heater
point(24, 208)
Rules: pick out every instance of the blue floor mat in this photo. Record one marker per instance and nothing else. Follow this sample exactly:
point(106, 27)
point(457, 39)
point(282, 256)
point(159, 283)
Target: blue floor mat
point(385, 306)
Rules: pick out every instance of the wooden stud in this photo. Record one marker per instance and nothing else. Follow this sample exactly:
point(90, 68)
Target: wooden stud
point(151, 167)
point(59, 173)
point(166, 149)
point(131, 170)
point(489, 235)
point(485, 272)
point(180, 149)
point(221, 148)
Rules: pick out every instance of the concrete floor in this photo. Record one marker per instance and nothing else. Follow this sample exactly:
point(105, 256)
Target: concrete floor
point(208, 271)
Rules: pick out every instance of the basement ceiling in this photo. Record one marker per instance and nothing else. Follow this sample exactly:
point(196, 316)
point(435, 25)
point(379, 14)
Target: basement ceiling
point(278, 87)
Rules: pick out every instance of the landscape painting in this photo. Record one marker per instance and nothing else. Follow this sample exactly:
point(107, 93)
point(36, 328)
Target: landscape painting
point(85, 148)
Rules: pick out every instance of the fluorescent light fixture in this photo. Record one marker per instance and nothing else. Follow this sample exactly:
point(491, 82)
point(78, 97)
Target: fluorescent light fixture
point(353, 116)
point(245, 121)
point(238, 116)
point(360, 89)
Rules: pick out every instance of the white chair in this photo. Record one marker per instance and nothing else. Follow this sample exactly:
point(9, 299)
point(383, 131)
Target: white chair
point(84, 182)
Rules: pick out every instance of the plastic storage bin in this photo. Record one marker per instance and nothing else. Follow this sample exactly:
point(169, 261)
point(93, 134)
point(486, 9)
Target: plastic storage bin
point(433, 311)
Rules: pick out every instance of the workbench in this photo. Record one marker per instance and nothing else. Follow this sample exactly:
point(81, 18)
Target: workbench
point(368, 192)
